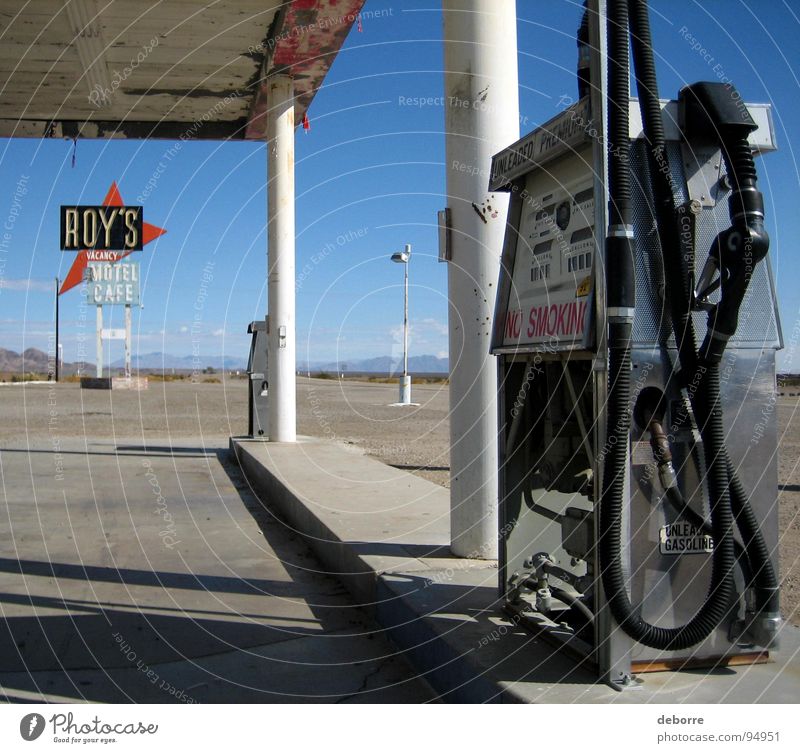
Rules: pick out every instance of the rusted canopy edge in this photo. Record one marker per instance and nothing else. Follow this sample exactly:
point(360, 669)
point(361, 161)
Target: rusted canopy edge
point(303, 43)
point(220, 130)
point(302, 40)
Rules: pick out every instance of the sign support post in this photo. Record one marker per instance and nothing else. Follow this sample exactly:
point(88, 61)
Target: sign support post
point(99, 342)
point(57, 365)
point(127, 341)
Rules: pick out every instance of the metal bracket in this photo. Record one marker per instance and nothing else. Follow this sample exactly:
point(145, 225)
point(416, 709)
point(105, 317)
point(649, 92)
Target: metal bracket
point(703, 168)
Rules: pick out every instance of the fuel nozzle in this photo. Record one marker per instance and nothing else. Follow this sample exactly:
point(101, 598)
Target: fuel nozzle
point(734, 253)
point(649, 414)
point(716, 113)
point(662, 454)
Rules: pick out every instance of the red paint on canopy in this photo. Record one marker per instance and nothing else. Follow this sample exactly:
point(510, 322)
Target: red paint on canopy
point(305, 45)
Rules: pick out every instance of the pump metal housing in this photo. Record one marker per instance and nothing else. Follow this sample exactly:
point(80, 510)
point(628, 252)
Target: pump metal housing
point(549, 339)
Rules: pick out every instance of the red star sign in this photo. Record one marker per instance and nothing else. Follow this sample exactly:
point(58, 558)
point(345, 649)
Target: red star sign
point(75, 275)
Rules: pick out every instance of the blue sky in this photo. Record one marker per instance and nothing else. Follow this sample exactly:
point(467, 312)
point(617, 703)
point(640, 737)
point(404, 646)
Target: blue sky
point(370, 178)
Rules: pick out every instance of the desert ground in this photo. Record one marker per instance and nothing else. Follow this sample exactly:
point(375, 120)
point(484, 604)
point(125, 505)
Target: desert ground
point(353, 412)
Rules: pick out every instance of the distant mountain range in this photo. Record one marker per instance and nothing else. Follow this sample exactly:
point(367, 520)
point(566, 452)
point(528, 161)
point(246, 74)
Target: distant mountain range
point(381, 365)
point(159, 361)
point(35, 360)
point(31, 360)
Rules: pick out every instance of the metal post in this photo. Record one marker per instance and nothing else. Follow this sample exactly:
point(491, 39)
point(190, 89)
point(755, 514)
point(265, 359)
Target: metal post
point(99, 342)
point(405, 382)
point(281, 259)
point(405, 312)
point(127, 341)
point(481, 117)
point(404, 258)
point(57, 367)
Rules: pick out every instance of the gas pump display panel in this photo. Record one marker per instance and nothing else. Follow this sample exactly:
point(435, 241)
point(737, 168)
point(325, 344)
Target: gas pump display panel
point(552, 265)
point(549, 251)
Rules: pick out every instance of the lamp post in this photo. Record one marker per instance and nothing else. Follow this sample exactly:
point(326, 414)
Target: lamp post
point(403, 257)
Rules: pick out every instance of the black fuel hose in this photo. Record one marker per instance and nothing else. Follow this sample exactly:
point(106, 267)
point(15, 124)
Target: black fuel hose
point(573, 601)
point(767, 591)
point(754, 557)
point(718, 599)
point(662, 454)
point(677, 274)
point(621, 301)
point(675, 498)
point(758, 568)
point(745, 198)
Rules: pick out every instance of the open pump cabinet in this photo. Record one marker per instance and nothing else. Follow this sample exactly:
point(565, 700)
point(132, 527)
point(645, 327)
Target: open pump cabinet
point(635, 332)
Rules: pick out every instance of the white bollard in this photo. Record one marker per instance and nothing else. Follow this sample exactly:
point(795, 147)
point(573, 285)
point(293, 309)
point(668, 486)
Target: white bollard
point(405, 390)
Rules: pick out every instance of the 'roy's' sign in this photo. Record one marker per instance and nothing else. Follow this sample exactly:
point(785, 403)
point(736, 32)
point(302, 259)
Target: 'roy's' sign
point(101, 228)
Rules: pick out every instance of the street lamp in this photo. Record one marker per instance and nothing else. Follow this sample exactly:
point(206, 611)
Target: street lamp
point(403, 257)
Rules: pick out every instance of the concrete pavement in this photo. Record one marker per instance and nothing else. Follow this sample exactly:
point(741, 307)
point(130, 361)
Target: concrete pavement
point(147, 571)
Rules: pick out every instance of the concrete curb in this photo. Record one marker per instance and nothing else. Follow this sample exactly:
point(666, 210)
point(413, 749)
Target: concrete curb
point(384, 533)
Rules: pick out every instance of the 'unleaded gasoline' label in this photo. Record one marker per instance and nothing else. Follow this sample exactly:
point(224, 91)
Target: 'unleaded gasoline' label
point(683, 538)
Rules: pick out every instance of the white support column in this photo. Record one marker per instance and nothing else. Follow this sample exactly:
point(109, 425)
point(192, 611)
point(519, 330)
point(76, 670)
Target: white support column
point(481, 117)
point(281, 259)
point(99, 342)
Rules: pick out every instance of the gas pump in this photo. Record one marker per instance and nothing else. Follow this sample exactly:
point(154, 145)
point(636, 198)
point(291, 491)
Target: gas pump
point(258, 388)
point(638, 478)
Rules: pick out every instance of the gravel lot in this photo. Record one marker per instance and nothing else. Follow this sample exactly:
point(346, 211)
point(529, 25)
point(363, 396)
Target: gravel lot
point(359, 413)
